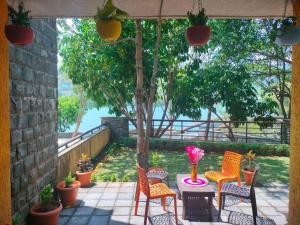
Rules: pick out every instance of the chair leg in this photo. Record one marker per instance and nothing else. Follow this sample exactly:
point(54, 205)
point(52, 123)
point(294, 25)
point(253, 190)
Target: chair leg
point(163, 202)
point(146, 211)
point(220, 209)
point(137, 199)
point(239, 184)
point(254, 208)
point(175, 210)
point(223, 199)
point(220, 183)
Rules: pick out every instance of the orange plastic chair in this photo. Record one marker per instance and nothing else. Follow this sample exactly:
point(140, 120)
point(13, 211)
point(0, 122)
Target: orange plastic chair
point(158, 190)
point(230, 171)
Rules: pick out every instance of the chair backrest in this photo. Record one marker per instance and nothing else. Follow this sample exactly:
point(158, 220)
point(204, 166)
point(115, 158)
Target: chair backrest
point(142, 161)
point(143, 181)
point(231, 163)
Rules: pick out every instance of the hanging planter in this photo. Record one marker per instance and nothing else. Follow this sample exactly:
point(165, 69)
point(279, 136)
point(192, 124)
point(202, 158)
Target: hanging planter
point(288, 33)
point(108, 21)
point(19, 32)
point(198, 33)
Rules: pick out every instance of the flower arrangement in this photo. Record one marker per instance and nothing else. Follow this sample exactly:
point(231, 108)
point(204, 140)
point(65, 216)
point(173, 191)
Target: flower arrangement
point(84, 164)
point(195, 154)
point(249, 161)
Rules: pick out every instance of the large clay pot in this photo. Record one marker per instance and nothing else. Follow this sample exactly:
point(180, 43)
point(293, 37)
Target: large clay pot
point(84, 178)
point(39, 217)
point(18, 35)
point(248, 174)
point(109, 30)
point(68, 195)
point(198, 35)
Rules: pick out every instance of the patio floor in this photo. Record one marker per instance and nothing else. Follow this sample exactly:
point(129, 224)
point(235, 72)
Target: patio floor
point(108, 203)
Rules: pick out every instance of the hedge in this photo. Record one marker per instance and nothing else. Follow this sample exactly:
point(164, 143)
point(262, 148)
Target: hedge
point(217, 147)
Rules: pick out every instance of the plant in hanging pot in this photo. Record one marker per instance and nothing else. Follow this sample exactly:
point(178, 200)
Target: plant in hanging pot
point(18, 31)
point(249, 166)
point(46, 212)
point(198, 33)
point(68, 190)
point(85, 170)
point(285, 32)
point(108, 21)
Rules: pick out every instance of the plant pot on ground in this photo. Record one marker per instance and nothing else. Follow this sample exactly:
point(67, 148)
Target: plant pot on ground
point(68, 190)
point(198, 33)
point(18, 31)
point(249, 167)
point(85, 171)
point(108, 21)
point(46, 212)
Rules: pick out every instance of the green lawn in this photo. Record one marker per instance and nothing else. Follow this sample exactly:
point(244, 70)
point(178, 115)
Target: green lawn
point(122, 165)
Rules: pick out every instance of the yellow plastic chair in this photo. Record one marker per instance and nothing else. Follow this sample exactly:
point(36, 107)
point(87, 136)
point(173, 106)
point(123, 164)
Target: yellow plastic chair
point(230, 171)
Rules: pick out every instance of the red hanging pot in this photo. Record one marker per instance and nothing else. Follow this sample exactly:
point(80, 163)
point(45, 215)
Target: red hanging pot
point(198, 35)
point(19, 35)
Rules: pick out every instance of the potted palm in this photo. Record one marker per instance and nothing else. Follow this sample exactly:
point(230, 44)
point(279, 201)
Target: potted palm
point(18, 31)
point(85, 170)
point(68, 190)
point(249, 166)
point(198, 33)
point(286, 32)
point(108, 21)
point(46, 212)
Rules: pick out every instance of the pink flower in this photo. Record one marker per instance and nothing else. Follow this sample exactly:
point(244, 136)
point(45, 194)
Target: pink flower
point(195, 154)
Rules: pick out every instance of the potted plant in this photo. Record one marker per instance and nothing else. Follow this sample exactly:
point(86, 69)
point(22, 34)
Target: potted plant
point(19, 32)
point(286, 32)
point(108, 21)
point(85, 170)
point(198, 33)
point(249, 167)
point(46, 212)
point(68, 190)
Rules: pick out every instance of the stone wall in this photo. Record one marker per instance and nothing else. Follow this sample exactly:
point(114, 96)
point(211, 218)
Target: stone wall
point(119, 126)
point(33, 87)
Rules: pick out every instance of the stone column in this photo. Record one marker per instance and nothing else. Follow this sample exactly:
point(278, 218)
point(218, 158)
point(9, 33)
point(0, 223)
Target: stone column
point(117, 125)
point(294, 192)
point(5, 195)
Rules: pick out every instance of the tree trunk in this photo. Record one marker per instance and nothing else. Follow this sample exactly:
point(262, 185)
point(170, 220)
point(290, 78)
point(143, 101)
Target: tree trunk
point(231, 135)
point(207, 125)
point(80, 113)
point(140, 146)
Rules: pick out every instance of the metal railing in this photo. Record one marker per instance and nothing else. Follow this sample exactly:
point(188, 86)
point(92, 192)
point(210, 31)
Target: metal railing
point(221, 131)
point(80, 137)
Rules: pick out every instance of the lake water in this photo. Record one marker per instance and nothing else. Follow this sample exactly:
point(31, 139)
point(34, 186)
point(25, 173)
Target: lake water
point(92, 118)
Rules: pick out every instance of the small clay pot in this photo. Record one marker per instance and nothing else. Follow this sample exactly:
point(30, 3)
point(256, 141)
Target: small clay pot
point(19, 35)
point(84, 178)
point(39, 217)
point(248, 174)
point(198, 35)
point(68, 195)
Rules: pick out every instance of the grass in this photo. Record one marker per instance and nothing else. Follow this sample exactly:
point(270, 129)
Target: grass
point(121, 166)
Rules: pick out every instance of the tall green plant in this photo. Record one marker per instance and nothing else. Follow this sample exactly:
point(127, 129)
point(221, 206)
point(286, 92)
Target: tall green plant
point(19, 16)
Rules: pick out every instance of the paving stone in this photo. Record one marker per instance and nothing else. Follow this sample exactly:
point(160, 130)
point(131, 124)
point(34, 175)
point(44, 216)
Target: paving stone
point(114, 185)
point(121, 211)
point(119, 220)
point(110, 190)
point(63, 220)
point(95, 196)
point(89, 203)
point(127, 203)
point(136, 220)
point(78, 220)
point(103, 211)
point(86, 211)
point(278, 219)
point(268, 211)
point(97, 220)
point(277, 203)
point(127, 189)
point(128, 184)
point(125, 196)
point(96, 190)
point(101, 184)
point(68, 212)
point(109, 195)
point(110, 202)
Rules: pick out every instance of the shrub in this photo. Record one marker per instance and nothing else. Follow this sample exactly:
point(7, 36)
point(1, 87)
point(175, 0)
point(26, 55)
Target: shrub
point(125, 178)
point(113, 177)
point(155, 159)
point(217, 147)
point(69, 180)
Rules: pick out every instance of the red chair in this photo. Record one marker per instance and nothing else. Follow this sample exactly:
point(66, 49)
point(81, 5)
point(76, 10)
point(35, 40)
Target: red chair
point(159, 190)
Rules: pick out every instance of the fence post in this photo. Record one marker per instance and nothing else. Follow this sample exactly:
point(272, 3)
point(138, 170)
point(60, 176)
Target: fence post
point(246, 132)
point(281, 133)
point(213, 131)
point(181, 130)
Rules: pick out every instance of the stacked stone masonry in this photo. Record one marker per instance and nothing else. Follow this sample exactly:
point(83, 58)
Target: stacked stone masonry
point(33, 98)
point(119, 126)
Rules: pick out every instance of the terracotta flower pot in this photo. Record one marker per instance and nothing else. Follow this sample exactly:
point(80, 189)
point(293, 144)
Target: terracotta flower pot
point(38, 217)
point(68, 195)
point(109, 30)
point(18, 35)
point(198, 35)
point(84, 178)
point(248, 174)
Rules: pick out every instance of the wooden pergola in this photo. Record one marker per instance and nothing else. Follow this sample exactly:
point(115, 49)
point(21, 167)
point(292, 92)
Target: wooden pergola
point(149, 9)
